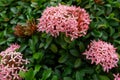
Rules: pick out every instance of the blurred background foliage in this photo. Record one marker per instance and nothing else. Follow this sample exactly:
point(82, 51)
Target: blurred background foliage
point(59, 58)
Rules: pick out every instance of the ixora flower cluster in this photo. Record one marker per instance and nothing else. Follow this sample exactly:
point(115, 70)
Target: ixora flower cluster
point(102, 53)
point(11, 63)
point(71, 20)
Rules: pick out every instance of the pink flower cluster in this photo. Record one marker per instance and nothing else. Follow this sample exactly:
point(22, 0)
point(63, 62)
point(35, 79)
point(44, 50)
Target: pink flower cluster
point(102, 53)
point(11, 63)
point(116, 76)
point(71, 20)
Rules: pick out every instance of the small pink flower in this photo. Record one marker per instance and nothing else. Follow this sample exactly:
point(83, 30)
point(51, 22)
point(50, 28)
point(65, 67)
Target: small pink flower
point(102, 53)
point(71, 20)
point(11, 63)
point(116, 76)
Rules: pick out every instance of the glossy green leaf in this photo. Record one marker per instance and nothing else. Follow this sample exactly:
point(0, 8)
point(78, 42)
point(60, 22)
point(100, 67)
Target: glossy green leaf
point(46, 74)
point(29, 75)
point(54, 77)
point(96, 33)
point(38, 56)
point(48, 41)
point(37, 68)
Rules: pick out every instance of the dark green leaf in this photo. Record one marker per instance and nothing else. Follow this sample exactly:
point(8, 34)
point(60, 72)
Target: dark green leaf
point(74, 52)
point(67, 78)
point(63, 58)
point(102, 77)
point(53, 48)
point(77, 63)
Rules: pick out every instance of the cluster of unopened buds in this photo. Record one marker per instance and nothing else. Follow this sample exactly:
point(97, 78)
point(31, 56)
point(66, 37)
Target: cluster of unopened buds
point(27, 30)
point(11, 63)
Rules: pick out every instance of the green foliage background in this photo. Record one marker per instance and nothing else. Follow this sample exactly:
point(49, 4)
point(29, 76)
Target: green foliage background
point(59, 58)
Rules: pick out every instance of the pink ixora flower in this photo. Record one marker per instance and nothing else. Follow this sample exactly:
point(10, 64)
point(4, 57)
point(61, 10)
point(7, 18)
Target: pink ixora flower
point(71, 20)
point(116, 76)
point(102, 53)
point(11, 63)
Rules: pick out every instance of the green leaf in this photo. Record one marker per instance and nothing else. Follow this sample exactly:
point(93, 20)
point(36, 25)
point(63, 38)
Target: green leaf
point(103, 26)
point(77, 63)
point(105, 36)
point(37, 68)
point(109, 9)
point(10, 39)
point(54, 77)
point(14, 10)
point(67, 78)
point(34, 4)
point(22, 74)
point(53, 48)
point(79, 1)
point(38, 56)
point(32, 45)
point(63, 45)
point(46, 74)
point(96, 33)
point(95, 77)
point(117, 41)
point(2, 42)
point(111, 15)
point(67, 71)
point(74, 52)
point(63, 58)
point(3, 14)
point(41, 45)
point(23, 47)
point(111, 30)
point(81, 46)
point(29, 75)
point(100, 12)
point(35, 39)
point(114, 22)
point(72, 45)
point(102, 77)
point(67, 39)
point(14, 21)
point(48, 41)
point(79, 75)
point(116, 35)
